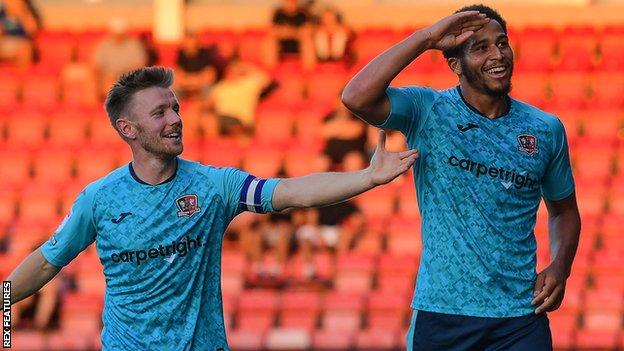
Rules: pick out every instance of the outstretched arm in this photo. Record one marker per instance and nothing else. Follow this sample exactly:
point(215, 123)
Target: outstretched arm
point(365, 94)
point(323, 189)
point(564, 227)
point(30, 276)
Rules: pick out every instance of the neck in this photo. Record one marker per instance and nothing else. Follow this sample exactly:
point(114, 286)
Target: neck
point(488, 105)
point(153, 170)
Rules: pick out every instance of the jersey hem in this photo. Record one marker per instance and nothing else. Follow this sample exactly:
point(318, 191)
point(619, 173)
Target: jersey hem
point(469, 312)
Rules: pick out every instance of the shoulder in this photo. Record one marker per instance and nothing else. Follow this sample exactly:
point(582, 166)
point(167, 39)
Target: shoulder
point(538, 116)
point(109, 183)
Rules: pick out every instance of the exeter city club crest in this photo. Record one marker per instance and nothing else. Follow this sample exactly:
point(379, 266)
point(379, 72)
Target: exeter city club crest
point(527, 143)
point(187, 205)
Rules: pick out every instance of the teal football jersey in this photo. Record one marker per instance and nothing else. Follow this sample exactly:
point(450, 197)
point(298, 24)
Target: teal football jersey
point(160, 246)
point(479, 182)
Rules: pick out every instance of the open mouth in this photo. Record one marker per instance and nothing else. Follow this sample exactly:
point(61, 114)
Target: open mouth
point(175, 136)
point(497, 72)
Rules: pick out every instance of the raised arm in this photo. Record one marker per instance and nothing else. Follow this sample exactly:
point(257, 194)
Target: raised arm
point(365, 94)
point(323, 189)
point(564, 227)
point(30, 276)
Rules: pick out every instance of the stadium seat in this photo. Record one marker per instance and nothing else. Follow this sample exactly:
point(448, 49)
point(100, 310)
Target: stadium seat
point(288, 339)
point(54, 165)
point(15, 166)
point(354, 273)
point(26, 128)
point(611, 53)
point(299, 309)
point(81, 313)
point(577, 48)
point(607, 90)
point(246, 339)
point(562, 326)
point(256, 309)
point(262, 160)
point(536, 49)
point(377, 203)
point(375, 339)
point(342, 311)
point(251, 45)
point(67, 128)
point(396, 272)
point(569, 90)
point(595, 340)
point(233, 268)
point(28, 340)
point(41, 91)
point(69, 341)
point(273, 125)
point(530, 88)
point(9, 90)
point(387, 310)
point(331, 339)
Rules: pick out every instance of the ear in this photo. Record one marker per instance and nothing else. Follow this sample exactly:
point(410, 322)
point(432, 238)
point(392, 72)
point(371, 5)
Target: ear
point(455, 65)
point(126, 128)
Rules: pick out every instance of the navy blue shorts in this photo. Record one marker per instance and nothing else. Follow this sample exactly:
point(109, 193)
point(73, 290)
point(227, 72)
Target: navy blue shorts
point(449, 332)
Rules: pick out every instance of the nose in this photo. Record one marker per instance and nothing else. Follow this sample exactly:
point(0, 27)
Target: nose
point(496, 53)
point(173, 117)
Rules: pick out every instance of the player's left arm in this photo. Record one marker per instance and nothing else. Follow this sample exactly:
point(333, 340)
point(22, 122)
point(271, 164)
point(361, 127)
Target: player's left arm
point(564, 223)
point(323, 189)
point(564, 227)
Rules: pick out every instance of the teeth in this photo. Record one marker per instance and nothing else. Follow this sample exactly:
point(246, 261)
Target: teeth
point(496, 70)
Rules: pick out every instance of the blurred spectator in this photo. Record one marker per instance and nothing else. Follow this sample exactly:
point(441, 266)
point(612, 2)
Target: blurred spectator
point(19, 24)
point(274, 232)
point(331, 36)
point(336, 227)
point(291, 34)
point(116, 54)
point(150, 49)
point(78, 82)
point(344, 133)
point(198, 67)
point(234, 99)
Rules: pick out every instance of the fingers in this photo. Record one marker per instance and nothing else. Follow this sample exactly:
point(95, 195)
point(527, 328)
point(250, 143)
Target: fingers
point(539, 284)
point(552, 302)
point(547, 290)
point(408, 153)
point(381, 142)
point(463, 37)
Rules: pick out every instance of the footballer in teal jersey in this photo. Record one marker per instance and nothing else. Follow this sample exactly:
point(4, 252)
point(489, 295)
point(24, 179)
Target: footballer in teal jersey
point(486, 162)
point(158, 223)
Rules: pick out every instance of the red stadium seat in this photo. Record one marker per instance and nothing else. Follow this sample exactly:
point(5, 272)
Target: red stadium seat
point(376, 339)
point(387, 310)
point(377, 203)
point(530, 88)
point(26, 128)
point(354, 273)
point(273, 125)
point(611, 53)
point(596, 340)
point(607, 90)
point(9, 90)
point(54, 165)
point(81, 313)
point(68, 340)
point(246, 339)
point(41, 91)
point(331, 339)
point(536, 49)
point(577, 49)
point(29, 340)
point(299, 309)
point(252, 44)
point(396, 272)
point(570, 90)
point(256, 309)
point(15, 166)
point(263, 161)
point(68, 128)
point(288, 339)
point(342, 311)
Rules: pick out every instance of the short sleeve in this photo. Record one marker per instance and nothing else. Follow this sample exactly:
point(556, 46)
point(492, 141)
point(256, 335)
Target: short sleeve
point(408, 108)
point(245, 192)
point(558, 182)
point(74, 234)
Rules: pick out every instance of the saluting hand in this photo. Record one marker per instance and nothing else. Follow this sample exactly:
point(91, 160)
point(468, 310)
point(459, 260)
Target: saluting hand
point(455, 29)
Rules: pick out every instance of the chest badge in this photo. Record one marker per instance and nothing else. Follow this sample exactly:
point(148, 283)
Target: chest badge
point(527, 143)
point(187, 205)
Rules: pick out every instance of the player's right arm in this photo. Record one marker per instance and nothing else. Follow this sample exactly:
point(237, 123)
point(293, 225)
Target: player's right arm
point(73, 235)
point(365, 95)
point(30, 276)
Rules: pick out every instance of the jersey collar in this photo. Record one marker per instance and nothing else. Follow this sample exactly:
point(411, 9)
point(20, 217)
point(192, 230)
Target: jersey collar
point(477, 111)
point(135, 177)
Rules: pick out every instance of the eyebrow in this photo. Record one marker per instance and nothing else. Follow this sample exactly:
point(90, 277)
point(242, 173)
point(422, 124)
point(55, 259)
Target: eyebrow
point(484, 40)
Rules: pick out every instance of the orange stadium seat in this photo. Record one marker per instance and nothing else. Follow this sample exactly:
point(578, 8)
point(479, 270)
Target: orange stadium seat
point(373, 41)
point(603, 124)
point(404, 236)
point(15, 166)
point(67, 128)
point(81, 313)
point(562, 326)
point(252, 44)
point(273, 125)
point(233, 266)
point(442, 79)
point(611, 53)
point(536, 49)
point(396, 272)
point(9, 90)
point(378, 202)
point(299, 309)
point(41, 91)
point(530, 88)
point(569, 90)
point(26, 128)
point(93, 163)
point(55, 48)
point(69, 341)
point(262, 160)
point(54, 165)
point(577, 49)
point(607, 90)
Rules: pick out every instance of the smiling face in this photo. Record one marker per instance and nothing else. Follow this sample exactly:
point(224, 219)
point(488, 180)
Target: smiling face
point(486, 63)
point(155, 115)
